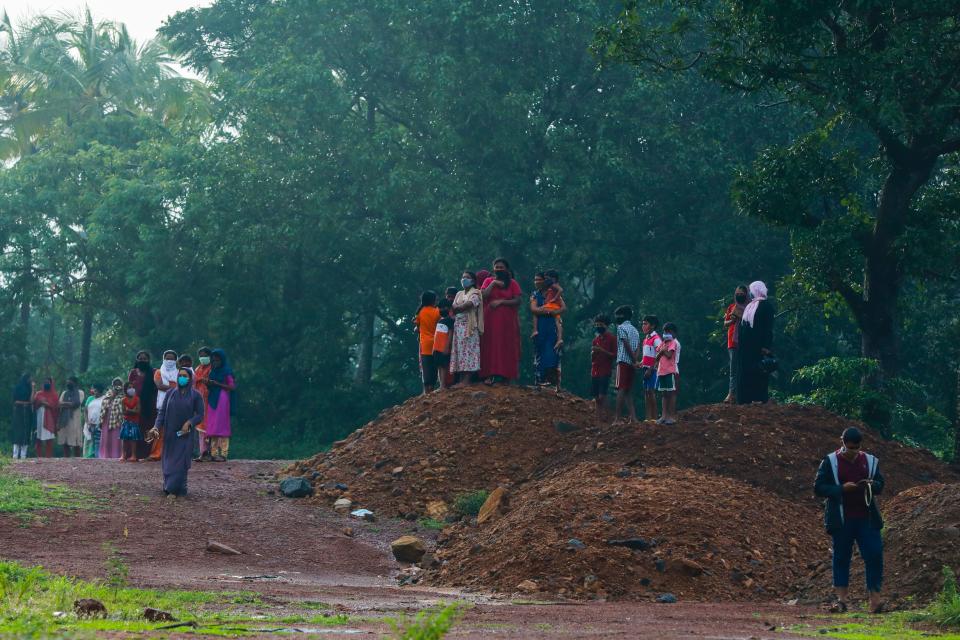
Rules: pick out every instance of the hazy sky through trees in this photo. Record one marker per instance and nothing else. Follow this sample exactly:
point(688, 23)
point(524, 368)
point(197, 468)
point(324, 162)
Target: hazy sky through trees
point(142, 18)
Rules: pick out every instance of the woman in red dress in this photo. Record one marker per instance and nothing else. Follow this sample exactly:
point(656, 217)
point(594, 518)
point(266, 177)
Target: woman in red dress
point(500, 344)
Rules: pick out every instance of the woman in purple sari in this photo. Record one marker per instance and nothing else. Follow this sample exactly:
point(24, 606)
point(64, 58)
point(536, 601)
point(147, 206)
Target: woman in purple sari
point(180, 413)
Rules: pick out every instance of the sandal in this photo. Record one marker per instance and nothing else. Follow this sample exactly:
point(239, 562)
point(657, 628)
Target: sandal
point(838, 607)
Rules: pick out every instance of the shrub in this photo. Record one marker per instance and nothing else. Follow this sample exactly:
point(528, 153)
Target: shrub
point(468, 504)
point(945, 610)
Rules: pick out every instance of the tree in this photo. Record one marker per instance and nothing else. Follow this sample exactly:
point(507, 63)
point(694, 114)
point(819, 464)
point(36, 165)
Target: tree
point(881, 78)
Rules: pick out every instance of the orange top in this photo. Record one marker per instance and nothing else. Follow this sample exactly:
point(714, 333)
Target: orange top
point(426, 322)
point(441, 340)
point(552, 299)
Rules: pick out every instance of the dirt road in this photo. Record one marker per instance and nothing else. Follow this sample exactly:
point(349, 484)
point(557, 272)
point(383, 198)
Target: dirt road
point(296, 551)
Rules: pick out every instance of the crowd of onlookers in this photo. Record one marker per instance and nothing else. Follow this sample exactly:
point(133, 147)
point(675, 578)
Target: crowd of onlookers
point(118, 421)
point(472, 334)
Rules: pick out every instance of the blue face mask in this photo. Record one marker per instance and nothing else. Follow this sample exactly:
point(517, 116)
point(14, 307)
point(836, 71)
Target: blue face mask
point(466, 282)
point(183, 380)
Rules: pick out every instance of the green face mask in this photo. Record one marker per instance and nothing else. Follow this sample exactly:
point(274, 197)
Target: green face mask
point(204, 360)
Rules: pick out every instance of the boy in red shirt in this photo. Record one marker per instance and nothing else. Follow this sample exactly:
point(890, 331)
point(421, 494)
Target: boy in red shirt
point(731, 320)
point(426, 319)
point(602, 354)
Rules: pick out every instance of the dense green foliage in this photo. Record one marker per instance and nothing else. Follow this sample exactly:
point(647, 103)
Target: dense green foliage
point(341, 157)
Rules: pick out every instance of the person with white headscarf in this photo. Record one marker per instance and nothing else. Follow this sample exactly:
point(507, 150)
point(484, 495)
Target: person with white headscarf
point(754, 343)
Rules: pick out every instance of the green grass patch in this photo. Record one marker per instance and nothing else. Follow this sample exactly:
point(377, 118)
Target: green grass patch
point(430, 624)
point(431, 523)
point(468, 504)
point(24, 497)
point(35, 603)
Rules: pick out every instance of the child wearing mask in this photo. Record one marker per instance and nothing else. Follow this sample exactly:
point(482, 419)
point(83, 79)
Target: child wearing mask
point(603, 352)
point(201, 448)
point(130, 431)
point(441, 343)
point(92, 408)
point(426, 319)
point(668, 373)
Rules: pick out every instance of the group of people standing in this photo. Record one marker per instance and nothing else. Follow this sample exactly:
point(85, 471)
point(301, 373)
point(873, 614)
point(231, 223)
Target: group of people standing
point(176, 413)
point(472, 334)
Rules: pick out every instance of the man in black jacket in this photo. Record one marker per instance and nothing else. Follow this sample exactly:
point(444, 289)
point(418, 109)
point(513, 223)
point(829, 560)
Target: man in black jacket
point(849, 479)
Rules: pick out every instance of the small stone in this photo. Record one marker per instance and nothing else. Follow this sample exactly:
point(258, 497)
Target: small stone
point(408, 549)
point(397, 492)
point(348, 531)
point(528, 586)
point(644, 582)
point(667, 598)
point(156, 615)
point(379, 464)
point(490, 433)
point(218, 547)
point(479, 395)
point(429, 561)
point(950, 532)
point(660, 565)
point(89, 608)
point(397, 471)
point(296, 488)
point(342, 504)
point(437, 509)
point(691, 567)
point(575, 545)
point(623, 473)
point(492, 505)
point(637, 544)
point(606, 517)
point(565, 427)
point(340, 486)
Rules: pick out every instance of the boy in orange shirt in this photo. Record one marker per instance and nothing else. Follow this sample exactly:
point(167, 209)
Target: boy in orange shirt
point(426, 319)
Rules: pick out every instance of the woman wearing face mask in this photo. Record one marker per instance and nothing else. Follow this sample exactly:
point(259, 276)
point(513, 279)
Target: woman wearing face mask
point(731, 320)
point(165, 379)
point(46, 405)
point(220, 405)
point(201, 449)
point(467, 329)
point(23, 422)
point(70, 420)
point(111, 420)
point(141, 376)
point(500, 348)
point(182, 410)
point(754, 342)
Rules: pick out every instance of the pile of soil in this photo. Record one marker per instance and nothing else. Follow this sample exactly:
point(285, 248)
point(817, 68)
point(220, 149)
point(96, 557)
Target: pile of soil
point(694, 535)
point(921, 536)
point(726, 494)
point(414, 459)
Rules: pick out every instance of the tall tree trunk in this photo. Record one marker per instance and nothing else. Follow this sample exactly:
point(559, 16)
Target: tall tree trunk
point(876, 308)
point(956, 423)
point(364, 371)
point(86, 338)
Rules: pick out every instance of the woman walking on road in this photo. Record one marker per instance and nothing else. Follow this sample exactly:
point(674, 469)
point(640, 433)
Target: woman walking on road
point(182, 410)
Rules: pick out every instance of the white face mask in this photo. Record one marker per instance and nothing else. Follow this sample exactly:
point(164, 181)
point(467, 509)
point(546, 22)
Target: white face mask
point(169, 365)
point(131, 392)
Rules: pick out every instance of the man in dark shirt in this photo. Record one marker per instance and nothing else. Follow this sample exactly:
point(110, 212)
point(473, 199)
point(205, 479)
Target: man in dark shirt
point(849, 479)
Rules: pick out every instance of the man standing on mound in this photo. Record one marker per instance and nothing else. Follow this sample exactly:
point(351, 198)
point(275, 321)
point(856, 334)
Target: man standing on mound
point(850, 479)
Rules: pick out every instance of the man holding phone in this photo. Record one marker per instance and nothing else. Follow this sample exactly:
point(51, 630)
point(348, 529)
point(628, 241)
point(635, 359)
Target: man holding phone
point(850, 480)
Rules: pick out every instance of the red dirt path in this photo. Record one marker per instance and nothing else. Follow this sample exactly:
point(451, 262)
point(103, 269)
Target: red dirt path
point(304, 546)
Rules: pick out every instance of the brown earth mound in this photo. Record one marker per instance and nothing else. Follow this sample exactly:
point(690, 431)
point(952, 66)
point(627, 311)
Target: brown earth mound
point(414, 459)
point(697, 536)
point(921, 535)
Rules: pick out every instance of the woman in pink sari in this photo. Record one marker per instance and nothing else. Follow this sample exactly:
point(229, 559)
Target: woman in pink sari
point(500, 346)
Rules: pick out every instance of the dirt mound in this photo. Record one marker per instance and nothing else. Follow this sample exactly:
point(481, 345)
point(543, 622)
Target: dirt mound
point(414, 459)
point(694, 535)
point(921, 535)
point(430, 449)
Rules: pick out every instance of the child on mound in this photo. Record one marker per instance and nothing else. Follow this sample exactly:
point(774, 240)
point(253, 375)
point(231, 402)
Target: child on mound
point(552, 302)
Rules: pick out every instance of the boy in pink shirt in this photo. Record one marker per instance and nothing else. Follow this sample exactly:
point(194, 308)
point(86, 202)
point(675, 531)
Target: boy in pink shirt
point(668, 372)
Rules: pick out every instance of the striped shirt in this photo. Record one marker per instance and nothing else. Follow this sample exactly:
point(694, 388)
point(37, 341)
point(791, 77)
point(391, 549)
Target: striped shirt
point(628, 332)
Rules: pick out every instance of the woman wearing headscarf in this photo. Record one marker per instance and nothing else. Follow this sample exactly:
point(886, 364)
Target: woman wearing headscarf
point(467, 330)
point(70, 420)
point(182, 410)
point(500, 348)
point(111, 421)
point(221, 385)
point(46, 404)
point(22, 425)
point(142, 378)
point(165, 379)
point(754, 342)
